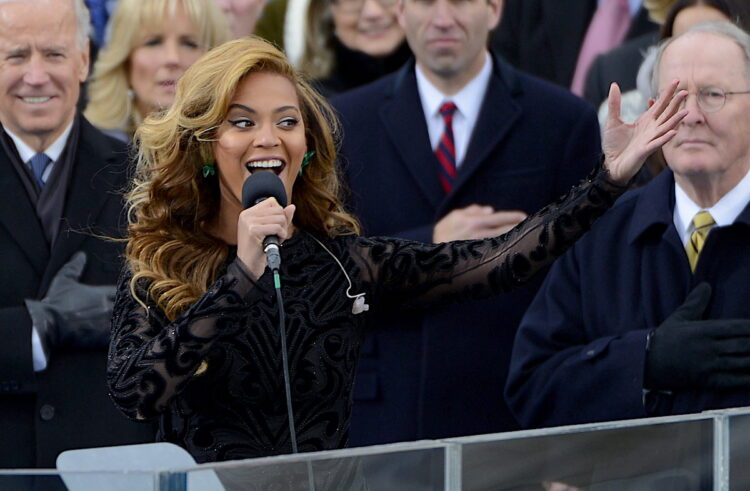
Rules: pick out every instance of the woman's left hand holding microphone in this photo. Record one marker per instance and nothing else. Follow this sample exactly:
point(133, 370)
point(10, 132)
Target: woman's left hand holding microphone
point(255, 224)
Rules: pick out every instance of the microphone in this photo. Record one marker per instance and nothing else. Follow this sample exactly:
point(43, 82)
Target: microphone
point(257, 187)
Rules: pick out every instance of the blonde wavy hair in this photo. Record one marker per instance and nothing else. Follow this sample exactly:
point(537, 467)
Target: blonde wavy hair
point(111, 107)
point(171, 203)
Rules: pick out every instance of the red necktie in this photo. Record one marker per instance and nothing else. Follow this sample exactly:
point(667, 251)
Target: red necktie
point(446, 150)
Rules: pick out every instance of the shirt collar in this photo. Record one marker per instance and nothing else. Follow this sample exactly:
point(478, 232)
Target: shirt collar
point(468, 100)
point(724, 212)
point(53, 151)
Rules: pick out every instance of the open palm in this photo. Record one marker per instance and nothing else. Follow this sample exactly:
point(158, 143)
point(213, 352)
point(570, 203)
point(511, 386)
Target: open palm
point(626, 146)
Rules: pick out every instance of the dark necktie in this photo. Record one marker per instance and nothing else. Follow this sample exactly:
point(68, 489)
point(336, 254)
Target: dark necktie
point(39, 163)
point(446, 150)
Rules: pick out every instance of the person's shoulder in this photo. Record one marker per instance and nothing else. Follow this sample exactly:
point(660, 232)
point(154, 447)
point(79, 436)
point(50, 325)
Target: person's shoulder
point(100, 140)
point(111, 155)
point(617, 220)
point(536, 92)
point(374, 91)
point(560, 99)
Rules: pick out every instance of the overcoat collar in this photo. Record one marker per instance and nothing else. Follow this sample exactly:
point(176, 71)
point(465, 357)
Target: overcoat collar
point(403, 118)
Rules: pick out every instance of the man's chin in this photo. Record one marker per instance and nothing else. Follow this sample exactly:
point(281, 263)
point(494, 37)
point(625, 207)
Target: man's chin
point(695, 169)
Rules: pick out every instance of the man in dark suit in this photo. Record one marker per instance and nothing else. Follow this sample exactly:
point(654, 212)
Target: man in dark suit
point(648, 314)
point(518, 143)
point(60, 184)
point(544, 37)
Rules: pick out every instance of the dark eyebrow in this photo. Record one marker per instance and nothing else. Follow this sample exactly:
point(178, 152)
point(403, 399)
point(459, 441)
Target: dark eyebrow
point(241, 106)
point(21, 50)
point(281, 109)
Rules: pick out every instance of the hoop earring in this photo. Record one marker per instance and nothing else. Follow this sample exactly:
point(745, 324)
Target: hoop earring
point(306, 161)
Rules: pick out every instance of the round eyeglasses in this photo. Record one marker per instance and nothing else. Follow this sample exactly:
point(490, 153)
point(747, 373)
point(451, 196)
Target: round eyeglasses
point(712, 99)
point(356, 6)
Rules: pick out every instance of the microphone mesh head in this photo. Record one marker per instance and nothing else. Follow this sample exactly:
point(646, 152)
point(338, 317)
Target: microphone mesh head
point(261, 185)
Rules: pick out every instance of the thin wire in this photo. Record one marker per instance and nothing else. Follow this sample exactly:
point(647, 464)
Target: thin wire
point(348, 280)
point(285, 360)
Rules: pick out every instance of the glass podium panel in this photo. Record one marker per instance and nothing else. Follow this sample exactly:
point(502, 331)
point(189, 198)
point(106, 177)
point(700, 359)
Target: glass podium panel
point(674, 455)
point(739, 451)
point(681, 453)
point(408, 467)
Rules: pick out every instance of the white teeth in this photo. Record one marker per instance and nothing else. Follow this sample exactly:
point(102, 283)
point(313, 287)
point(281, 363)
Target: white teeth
point(264, 164)
point(35, 100)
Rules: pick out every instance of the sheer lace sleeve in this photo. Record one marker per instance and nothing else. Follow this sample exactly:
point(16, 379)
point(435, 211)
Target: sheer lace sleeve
point(400, 272)
point(151, 359)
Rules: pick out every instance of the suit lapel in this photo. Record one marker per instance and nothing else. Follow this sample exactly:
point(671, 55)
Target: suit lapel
point(20, 217)
point(403, 118)
point(92, 182)
point(497, 116)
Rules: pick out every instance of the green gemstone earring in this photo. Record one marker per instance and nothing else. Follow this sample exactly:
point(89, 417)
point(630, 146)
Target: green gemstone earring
point(209, 170)
point(306, 161)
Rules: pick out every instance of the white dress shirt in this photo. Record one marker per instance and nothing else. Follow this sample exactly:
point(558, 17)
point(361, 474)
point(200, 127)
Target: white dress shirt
point(724, 212)
point(468, 102)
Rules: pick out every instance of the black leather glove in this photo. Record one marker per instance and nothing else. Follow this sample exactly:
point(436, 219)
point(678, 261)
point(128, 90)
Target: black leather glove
point(73, 314)
point(687, 353)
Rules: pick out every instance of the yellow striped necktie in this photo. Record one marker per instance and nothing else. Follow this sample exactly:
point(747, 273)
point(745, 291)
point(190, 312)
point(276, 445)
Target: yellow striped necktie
point(703, 222)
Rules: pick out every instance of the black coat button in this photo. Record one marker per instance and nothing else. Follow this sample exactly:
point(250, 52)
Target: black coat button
point(47, 412)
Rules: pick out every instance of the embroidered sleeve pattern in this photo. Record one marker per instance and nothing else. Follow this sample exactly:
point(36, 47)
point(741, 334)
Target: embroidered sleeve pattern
point(413, 274)
point(151, 359)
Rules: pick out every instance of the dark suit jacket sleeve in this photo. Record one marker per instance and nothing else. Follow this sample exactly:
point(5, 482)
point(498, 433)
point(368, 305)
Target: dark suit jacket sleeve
point(16, 364)
point(564, 370)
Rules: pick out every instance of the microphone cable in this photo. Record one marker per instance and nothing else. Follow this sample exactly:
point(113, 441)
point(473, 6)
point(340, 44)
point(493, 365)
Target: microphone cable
point(285, 359)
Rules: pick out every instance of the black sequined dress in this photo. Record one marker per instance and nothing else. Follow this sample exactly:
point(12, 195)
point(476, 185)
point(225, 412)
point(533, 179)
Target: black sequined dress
point(235, 408)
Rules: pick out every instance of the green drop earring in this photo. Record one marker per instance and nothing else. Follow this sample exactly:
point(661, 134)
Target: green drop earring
point(306, 161)
point(209, 170)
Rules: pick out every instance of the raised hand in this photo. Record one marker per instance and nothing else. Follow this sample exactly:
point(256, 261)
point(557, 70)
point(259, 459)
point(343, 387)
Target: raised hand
point(626, 146)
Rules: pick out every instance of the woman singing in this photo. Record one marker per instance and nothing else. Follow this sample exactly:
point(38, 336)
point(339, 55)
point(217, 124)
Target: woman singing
point(196, 338)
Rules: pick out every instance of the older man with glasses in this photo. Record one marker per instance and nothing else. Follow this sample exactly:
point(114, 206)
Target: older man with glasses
point(649, 314)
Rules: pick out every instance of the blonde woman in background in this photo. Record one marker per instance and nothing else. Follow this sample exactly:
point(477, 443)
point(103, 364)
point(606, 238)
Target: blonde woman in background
point(151, 45)
point(349, 43)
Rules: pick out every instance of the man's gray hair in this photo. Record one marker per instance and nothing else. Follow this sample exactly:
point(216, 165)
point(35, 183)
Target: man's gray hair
point(719, 28)
point(83, 20)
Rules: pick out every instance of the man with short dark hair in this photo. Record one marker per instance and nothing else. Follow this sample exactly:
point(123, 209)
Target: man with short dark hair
point(455, 145)
point(648, 314)
point(60, 181)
